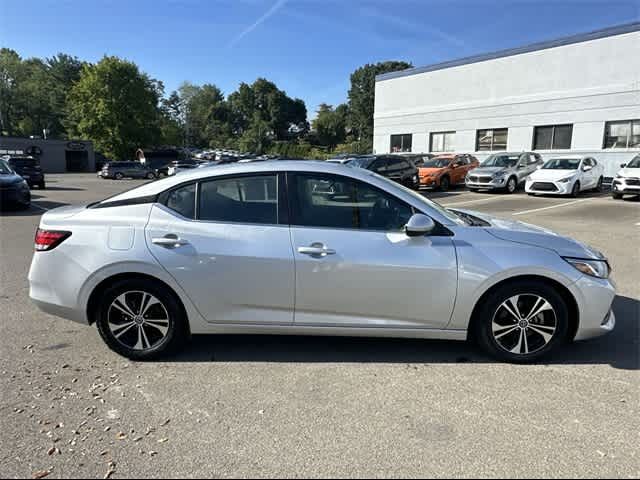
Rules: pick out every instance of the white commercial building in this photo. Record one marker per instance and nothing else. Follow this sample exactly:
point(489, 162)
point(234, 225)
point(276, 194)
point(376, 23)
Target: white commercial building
point(576, 95)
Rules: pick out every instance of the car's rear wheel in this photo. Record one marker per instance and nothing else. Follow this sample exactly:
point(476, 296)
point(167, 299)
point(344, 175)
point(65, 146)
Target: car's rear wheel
point(118, 176)
point(599, 185)
point(139, 319)
point(150, 176)
point(522, 322)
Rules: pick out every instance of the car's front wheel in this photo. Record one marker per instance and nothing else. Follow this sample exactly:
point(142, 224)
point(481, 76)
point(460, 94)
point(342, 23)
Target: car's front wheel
point(118, 176)
point(521, 322)
point(139, 319)
point(512, 185)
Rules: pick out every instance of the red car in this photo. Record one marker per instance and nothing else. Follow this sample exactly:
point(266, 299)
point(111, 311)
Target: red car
point(446, 170)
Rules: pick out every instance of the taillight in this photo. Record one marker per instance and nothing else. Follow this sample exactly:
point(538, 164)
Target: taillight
point(49, 239)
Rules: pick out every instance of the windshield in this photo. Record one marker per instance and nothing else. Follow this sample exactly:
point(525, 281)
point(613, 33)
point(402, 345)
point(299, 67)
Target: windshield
point(362, 162)
point(4, 168)
point(501, 161)
point(635, 163)
point(562, 164)
point(436, 163)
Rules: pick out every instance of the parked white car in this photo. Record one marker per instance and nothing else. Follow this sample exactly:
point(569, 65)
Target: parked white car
point(627, 181)
point(566, 176)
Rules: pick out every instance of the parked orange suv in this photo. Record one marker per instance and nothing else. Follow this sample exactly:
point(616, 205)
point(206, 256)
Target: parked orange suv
point(446, 170)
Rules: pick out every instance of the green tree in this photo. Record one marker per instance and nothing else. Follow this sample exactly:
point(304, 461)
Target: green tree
point(257, 137)
point(362, 97)
point(330, 126)
point(63, 71)
point(114, 105)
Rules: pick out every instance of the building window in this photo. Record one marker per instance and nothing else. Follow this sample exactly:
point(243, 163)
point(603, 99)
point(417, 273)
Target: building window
point(441, 142)
point(492, 139)
point(401, 143)
point(552, 137)
point(624, 134)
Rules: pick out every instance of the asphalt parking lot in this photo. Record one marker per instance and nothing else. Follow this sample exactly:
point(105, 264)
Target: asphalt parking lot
point(235, 406)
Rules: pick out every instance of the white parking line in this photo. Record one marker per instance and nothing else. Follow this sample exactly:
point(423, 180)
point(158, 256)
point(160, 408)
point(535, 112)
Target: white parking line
point(38, 206)
point(552, 206)
point(467, 202)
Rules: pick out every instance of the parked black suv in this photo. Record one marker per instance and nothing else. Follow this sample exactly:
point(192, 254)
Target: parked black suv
point(29, 168)
point(394, 167)
point(120, 170)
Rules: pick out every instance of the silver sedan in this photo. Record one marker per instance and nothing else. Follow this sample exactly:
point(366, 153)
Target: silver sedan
point(317, 249)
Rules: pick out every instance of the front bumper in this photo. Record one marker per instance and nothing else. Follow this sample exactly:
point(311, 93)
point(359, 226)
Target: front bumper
point(493, 184)
point(15, 195)
point(595, 301)
point(628, 186)
point(548, 188)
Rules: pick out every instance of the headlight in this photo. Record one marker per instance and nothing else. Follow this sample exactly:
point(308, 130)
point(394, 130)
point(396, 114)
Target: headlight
point(499, 174)
point(593, 268)
point(566, 179)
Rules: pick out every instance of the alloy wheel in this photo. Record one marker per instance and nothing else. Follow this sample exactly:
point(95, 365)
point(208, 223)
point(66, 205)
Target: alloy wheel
point(138, 320)
point(511, 185)
point(524, 324)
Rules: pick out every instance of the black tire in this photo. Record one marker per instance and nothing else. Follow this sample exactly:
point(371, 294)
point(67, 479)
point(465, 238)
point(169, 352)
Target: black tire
point(445, 183)
point(512, 185)
point(575, 191)
point(150, 176)
point(118, 176)
point(177, 329)
point(599, 185)
point(490, 309)
point(616, 196)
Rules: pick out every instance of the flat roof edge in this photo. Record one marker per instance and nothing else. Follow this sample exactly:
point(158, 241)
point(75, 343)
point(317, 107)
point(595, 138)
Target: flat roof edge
point(534, 47)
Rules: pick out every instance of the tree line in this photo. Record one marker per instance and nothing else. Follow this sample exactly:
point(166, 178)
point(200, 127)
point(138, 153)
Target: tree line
point(120, 108)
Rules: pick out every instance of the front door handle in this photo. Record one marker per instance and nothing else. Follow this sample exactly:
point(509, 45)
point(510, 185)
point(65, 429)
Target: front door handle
point(317, 250)
point(169, 241)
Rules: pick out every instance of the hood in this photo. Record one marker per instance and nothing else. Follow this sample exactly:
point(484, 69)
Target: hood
point(430, 171)
point(551, 174)
point(629, 172)
point(520, 232)
point(10, 179)
point(489, 170)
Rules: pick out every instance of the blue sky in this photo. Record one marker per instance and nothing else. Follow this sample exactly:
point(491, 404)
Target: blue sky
point(307, 47)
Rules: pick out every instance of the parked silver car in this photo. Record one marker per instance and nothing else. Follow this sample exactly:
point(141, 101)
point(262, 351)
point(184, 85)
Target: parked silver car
point(503, 171)
point(312, 248)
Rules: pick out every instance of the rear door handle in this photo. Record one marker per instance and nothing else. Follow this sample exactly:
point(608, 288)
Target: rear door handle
point(169, 241)
point(317, 250)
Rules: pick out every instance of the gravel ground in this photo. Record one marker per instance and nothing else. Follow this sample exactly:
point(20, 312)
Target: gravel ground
point(233, 406)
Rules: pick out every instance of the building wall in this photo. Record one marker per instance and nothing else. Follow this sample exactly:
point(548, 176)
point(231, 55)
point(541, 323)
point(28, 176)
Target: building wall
point(53, 158)
point(585, 84)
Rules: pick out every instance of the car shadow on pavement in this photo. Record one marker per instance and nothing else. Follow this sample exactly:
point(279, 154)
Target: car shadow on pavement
point(34, 210)
point(620, 349)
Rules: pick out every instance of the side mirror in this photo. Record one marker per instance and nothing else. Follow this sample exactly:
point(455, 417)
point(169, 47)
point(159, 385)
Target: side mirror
point(419, 225)
point(624, 165)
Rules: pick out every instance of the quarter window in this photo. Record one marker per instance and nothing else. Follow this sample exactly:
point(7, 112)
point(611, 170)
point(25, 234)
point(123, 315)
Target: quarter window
point(330, 201)
point(442, 142)
point(552, 137)
point(183, 200)
point(492, 139)
point(624, 134)
point(401, 143)
point(239, 199)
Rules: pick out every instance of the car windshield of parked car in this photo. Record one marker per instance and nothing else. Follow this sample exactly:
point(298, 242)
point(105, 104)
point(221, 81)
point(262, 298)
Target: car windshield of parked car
point(362, 162)
point(4, 168)
point(635, 163)
point(501, 161)
point(562, 164)
point(437, 163)
point(23, 162)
